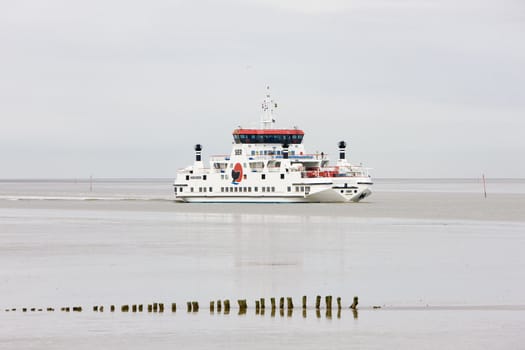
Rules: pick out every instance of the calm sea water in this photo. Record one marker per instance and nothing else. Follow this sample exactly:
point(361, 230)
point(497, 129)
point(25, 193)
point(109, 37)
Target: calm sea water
point(444, 263)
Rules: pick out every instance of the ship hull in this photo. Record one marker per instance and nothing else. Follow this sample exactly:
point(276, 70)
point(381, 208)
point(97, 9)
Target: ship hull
point(328, 195)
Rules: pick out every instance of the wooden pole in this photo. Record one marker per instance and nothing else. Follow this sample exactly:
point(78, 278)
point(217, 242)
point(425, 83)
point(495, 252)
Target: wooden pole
point(484, 185)
point(195, 306)
point(354, 304)
point(304, 302)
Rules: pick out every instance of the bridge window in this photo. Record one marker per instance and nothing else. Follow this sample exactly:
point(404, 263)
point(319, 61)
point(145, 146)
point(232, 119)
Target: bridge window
point(268, 138)
point(210, 189)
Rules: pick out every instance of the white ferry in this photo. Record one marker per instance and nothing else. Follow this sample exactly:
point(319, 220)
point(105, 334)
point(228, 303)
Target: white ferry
point(271, 165)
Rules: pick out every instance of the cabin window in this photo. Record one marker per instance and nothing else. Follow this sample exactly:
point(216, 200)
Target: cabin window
point(236, 189)
point(187, 177)
point(263, 189)
point(204, 177)
point(222, 189)
point(238, 152)
point(307, 188)
point(180, 189)
point(282, 176)
point(289, 189)
point(296, 188)
point(175, 189)
point(249, 189)
point(263, 176)
point(255, 189)
point(210, 189)
point(253, 152)
point(191, 189)
point(273, 189)
point(245, 177)
point(302, 188)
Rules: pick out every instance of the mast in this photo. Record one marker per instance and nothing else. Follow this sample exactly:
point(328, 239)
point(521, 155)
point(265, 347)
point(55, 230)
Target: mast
point(268, 107)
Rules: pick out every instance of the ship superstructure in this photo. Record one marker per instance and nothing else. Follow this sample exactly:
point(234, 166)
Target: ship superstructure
point(271, 165)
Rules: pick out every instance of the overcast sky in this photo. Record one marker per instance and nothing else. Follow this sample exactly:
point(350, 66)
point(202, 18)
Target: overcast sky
point(120, 88)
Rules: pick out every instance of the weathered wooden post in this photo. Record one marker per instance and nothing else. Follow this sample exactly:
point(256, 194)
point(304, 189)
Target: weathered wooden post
point(328, 313)
point(188, 306)
point(304, 302)
point(155, 307)
point(262, 303)
point(134, 308)
point(101, 308)
point(161, 307)
point(141, 307)
point(173, 307)
point(227, 306)
point(281, 303)
point(95, 308)
point(212, 306)
point(328, 300)
point(150, 308)
point(272, 301)
point(195, 306)
point(242, 305)
point(77, 308)
point(112, 308)
point(318, 302)
point(257, 307)
point(124, 308)
point(338, 303)
point(219, 305)
point(354, 304)
point(290, 303)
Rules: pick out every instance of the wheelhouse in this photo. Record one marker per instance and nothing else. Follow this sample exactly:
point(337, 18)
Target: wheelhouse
point(268, 136)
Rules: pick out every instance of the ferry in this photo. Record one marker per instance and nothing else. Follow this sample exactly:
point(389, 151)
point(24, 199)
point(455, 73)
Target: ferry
point(270, 165)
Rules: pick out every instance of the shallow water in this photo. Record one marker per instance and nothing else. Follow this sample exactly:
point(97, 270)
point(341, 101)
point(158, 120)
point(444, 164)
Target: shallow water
point(446, 267)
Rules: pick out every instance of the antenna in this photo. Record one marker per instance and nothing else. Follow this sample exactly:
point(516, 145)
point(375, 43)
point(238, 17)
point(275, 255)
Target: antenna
point(268, 107)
